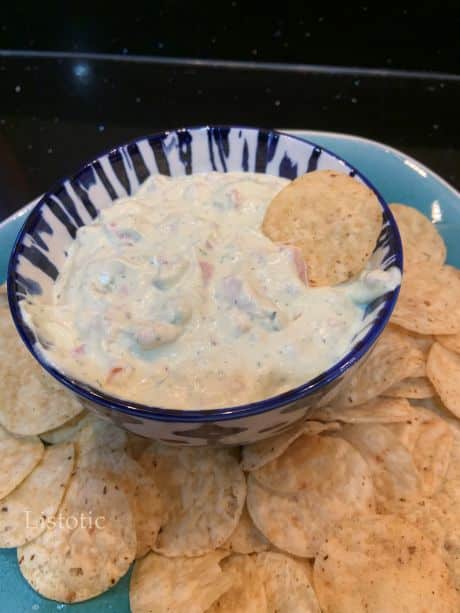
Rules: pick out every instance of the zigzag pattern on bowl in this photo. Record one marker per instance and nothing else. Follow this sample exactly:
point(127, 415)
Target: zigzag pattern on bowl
point(42, 248)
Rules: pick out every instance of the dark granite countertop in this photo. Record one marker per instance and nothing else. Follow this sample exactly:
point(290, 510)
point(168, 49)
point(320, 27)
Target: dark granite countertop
point(60, 109)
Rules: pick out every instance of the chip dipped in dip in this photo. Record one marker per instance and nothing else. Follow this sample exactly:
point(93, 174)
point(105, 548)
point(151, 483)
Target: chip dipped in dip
point(175, 298)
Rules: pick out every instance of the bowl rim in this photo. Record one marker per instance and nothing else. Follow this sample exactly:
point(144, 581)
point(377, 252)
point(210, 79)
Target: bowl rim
point(154, 413)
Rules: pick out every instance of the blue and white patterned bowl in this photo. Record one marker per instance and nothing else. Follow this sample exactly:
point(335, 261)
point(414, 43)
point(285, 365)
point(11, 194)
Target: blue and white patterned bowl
point(41, 246)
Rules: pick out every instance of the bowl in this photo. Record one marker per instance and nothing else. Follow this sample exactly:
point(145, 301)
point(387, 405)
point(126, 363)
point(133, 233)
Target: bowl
point(41, 246)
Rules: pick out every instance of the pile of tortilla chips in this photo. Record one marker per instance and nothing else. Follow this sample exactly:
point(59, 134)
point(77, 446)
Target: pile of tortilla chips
point(355, 510)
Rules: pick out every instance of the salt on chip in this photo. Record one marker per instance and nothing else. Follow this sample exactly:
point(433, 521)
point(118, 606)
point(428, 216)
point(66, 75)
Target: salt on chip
point(393, 469)
point(317, 464)
point(257, 454)
point(77, 558)
point(428, 300)
point(333, 219)
point(443, 369)
point(393, 358)
point(420, 239)
point(204, 489)
point(247, 592)
point(31, 401)
point(297, 523)
point(24, 513)
point(179, 585)
point(379, 410)
point(382, 564)
point(412, 387)
point(286, 584)
point(19, 456)
point(246, 538)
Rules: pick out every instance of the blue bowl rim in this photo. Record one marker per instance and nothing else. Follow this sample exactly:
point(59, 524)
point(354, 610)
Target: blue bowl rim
point(154, 413)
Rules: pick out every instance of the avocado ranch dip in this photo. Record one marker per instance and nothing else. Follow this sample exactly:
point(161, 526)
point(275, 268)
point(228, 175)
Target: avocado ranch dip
point(175, 298)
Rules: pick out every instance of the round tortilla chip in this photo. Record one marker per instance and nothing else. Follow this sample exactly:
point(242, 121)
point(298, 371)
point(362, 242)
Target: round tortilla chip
point(140, 488)
point(449, 341)
point(379, 410)
point(428, 300)
point(437, 517)
point(257, 454)
point(394, 357)
point(204, 490)
point(286, 584)
point(19, 456)
point(98, 434)
point(429, 440)
point(420, 239)
point(412, 387)
point(247, 592)
point(136, 445)
point(333, 219)
point(395, 476)
point(179, 585)
point(322, 464)
point(453, 470)
point(67, 431)
point(443, 369)
point(24, 513)
point(31, 401)
point(382, 564)
point(246, 538)
point(77, 558)
point(297, 523)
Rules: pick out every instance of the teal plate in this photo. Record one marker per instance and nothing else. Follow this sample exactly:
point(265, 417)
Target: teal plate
point(398, 177)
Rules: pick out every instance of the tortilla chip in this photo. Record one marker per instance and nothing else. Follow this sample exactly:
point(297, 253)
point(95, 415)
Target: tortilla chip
point(24, 513)
point(99, 434)
point(179, 585)
point(429, 440)
point(31, 401)
point(286, 584)
point(333, 219)
point(437, 516)
point(247, 592)
point(136, 445)
point(67, 431)
point(428, 300)
point(453, 470)
point(139, 486)
point(420, 239)
point(257, 454)
point(382, 564)
point(19, 456)
point(311, 464)
point(78, 559)
point(449, 341)
point(393, 358)
point(204, 490)
point(297, 523)
point(395, 476)
point(380, 410)
point(443, 369)
point(412, 387)
point(246, 538)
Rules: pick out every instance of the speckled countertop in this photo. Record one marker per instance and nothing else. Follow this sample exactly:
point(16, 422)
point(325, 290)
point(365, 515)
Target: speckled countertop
point(58, 110)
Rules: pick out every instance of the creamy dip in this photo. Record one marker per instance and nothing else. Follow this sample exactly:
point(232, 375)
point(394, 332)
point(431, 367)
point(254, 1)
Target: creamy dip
point(175, 298)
